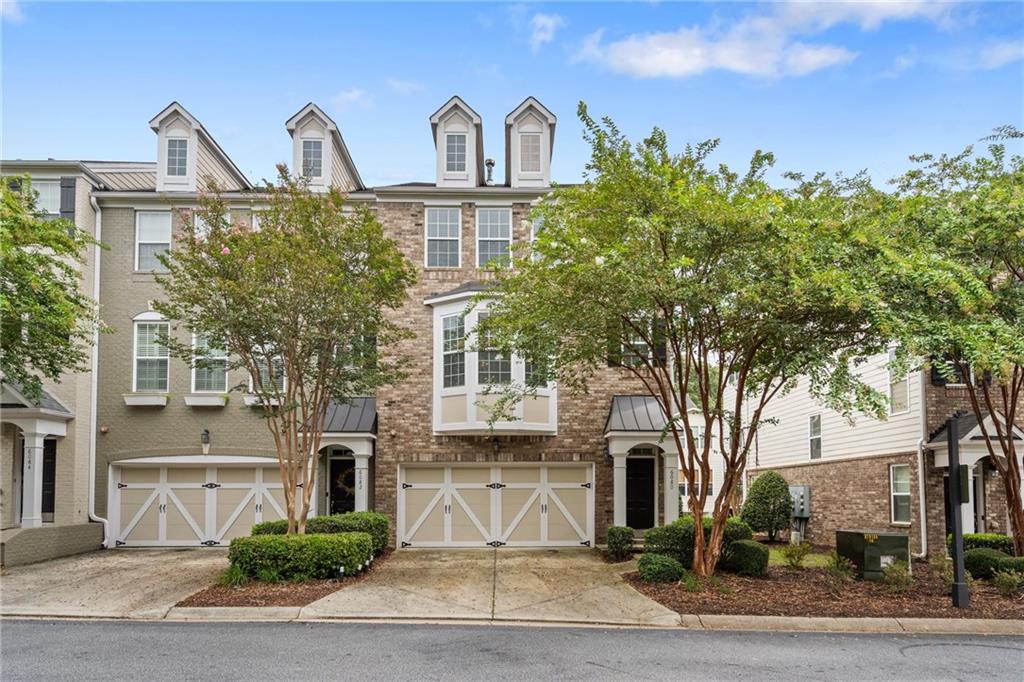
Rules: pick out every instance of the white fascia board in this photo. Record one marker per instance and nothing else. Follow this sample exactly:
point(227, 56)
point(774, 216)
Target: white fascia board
point(197, 459)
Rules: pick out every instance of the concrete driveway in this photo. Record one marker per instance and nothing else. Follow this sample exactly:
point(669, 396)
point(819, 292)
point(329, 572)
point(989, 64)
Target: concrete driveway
point(565, 585)
point(122, 583)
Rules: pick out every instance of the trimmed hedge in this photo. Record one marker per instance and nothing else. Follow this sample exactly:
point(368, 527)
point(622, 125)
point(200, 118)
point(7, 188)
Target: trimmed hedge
point(769, 505)
point(983, 562)
point(309, 556)
point(1014, 564)
point(998, 541)
point(620, 542)
point(658, 568)
point(351, 522)
point(676, 539)
point(746, 557)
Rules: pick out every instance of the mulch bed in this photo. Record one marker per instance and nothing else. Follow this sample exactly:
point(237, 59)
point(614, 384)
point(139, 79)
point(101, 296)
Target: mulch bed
point(805, 592)
point(275, 594)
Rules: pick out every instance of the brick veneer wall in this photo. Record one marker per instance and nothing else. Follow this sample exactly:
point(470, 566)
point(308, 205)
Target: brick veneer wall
point(405, 432)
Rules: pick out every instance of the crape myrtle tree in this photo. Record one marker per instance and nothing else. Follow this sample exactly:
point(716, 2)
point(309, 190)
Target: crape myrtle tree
point(963, 217)
point(699, 281)
point(46, 322)
point(301, 304)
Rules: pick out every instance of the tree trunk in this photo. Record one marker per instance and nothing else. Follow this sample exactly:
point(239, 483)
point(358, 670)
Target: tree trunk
point(1016, 512)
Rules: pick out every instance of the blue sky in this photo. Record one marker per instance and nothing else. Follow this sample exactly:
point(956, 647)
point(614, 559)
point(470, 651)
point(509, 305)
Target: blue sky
point(825, 86)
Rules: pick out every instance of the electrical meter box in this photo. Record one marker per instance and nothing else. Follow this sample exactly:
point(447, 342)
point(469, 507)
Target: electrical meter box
point(801, 495)
point(872, 550)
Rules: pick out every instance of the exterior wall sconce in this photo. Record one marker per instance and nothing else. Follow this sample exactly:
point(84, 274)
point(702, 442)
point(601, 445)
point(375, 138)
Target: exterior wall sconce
point(204, 438)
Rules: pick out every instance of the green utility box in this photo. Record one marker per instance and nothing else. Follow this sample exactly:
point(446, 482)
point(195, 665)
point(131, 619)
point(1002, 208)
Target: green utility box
point(872, 550)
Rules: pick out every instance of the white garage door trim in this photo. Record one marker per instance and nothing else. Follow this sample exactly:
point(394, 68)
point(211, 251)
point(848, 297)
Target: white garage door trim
point(448, 499)
point(164, 498)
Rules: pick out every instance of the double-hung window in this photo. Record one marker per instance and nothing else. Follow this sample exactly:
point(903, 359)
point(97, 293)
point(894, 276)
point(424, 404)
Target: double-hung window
point(152, 238)
point(152, 358)
point(48, 196)
point(210, 373)
point(529, 152)
point(313, 158)
point(443, 228)
point(899, 390)
point(453, 348)
point(493, 367)
point(814, 435)
point(177, 157)
point(494, 236)
point(276, 367)
point(455, 153)
point(899, 488)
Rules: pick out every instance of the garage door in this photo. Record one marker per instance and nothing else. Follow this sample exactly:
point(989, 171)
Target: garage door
point(470, 505)
point(193, 505)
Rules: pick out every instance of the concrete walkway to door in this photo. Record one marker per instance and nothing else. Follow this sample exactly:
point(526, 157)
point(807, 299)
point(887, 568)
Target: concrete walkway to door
point(563, 585)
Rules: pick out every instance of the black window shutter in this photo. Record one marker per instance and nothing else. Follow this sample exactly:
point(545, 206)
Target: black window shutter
point(67, 197)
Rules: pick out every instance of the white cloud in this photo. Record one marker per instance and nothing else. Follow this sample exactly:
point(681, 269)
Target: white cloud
point(543, 28)
point(404, 87)
point(766, 43)
point(11, 11)
point(995, 55)
point(901, 63)
point(345, 99)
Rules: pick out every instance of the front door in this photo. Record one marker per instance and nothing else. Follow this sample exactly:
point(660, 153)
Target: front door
point(343, 485)
point(640, 510)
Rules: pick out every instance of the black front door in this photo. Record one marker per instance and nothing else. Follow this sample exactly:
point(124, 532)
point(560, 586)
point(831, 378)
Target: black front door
point(49, 477)
point(343, 485)
point(640, 492)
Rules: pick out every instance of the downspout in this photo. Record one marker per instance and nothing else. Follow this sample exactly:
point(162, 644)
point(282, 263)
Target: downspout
point(94, 371)
point(922, 511)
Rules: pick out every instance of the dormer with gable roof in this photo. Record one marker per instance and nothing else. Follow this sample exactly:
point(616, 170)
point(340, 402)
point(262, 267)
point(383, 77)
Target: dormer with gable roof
point(529, 139)
point(319, 151)
point(458, 139)
point(188, 158)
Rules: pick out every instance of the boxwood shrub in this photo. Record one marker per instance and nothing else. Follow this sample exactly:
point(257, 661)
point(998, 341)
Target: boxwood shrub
point(746, 557)
point(658, 568)
point(620, 542)
point(309, 556)
point(676, 539)
point(351, 522)
point(983, 562)
point(1003, 543)
point(1013, 564)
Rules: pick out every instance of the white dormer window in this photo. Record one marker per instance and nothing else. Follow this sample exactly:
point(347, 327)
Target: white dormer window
point(455, 153)
point(177, 157)
point(494, 236)
point(313, 158)
point(529, 152)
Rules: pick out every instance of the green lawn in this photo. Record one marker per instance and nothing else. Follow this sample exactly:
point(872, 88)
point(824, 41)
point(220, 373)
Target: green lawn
point(775, 558)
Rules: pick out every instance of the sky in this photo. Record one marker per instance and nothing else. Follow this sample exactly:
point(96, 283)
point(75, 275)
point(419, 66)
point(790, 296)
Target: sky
point(831, 86)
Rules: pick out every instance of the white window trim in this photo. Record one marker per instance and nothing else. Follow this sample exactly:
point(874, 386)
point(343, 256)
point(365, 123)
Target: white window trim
point(426, 239)
point(893, 494)
point(170, 234)
point(284, 379)
point(203, 357)
point(167, 158)
point(540, 155)
point(478, 239)
point(455, 390)
point(302, 157)
point(905, 381)
point(147, 318)
point(465, 153)
point(49, 182)
point(821, 440)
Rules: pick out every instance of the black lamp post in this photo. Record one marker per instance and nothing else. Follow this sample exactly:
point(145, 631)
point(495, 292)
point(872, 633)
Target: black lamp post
point(961, 596)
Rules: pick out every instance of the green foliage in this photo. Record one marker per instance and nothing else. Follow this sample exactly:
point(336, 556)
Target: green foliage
point(1013, 563)
point(232, 576)
point(998, 541)
point(943, 567)
point(795, 553)
point(839, 572)
point(300, 305)
point(1009, 584)
point(373, 523)
point(46, 322)
point(690, 582)
point(769, 505)
point(982, 562)
point(270, 575)
point(657, 568)
point(620, 542)
point(677, 538)
point(746, 557)
point(309, 556)
point(897, 576)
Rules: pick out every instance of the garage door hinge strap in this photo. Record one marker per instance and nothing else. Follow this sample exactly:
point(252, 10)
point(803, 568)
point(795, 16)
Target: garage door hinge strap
point(118, 543)
point(585, 543)
point(496, 486)
point(211, 486)
point(406, 485)
point(406, 544)
point(122, 485)
point(210, 543)
point(495, 543)
point(585, 485)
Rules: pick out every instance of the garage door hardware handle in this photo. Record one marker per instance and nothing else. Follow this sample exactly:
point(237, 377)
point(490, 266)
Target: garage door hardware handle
point(211, 486)
point(497, 486)
point(210, 543)
point(543, 509)
point(406, 485)
point(122, 485)
point(259, 507)
point(585, 485)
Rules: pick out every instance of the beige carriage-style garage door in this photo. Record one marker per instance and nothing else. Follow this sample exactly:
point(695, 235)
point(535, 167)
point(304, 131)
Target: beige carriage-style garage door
point(189, 505)
point(474, 505)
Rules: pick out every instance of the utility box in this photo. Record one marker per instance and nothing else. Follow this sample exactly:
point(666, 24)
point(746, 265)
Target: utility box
point(801, 495)
point(871, 551)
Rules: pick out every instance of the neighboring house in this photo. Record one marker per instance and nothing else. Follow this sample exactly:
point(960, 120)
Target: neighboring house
point(181, 459)
point(45, 444)
point(886, 475)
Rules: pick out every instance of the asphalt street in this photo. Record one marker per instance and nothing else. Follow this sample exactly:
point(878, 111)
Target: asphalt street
point(126, 650)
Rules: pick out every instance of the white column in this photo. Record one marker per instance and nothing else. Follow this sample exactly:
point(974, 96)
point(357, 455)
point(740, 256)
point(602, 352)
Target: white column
point(362, 481)
point(32, 481)
point(619, 488)
point(670, 487)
